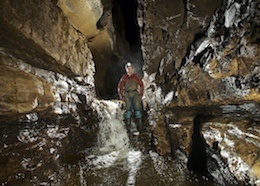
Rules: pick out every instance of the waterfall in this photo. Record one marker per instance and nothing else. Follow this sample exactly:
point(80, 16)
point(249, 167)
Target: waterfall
point(112, 132)
point(113, 143)
point(112, 135)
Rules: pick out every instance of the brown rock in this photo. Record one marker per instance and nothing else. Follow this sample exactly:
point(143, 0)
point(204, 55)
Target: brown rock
point(22, 92)
point(160, 133)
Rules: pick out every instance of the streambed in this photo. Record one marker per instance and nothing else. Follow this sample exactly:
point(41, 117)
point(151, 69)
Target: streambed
point(64, 151)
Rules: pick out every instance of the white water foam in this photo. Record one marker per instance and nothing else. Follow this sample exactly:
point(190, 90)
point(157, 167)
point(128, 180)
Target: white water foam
point(112, 132)
point(134, 161)
point(112, 136)
point(103, 161)
point(113, 142)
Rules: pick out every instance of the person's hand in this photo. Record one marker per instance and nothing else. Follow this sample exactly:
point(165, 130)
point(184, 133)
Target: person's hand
point(122, 105)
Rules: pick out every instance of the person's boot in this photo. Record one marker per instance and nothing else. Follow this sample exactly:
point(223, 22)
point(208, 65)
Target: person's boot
point(128, 124)
point(139, 124)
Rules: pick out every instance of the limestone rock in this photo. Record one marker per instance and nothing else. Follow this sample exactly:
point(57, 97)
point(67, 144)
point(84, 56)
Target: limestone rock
point(83, 15)
point(160, 134)
point(39, 33)
point(195, 53)
point(236, 140)
point(22, 92)
point(169, 28)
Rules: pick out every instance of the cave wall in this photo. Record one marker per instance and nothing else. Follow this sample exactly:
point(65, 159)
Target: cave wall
point(22, 92)
point(42, 28)
point(94, 20)
point(200, 57)
point(195, 53)
point(103, 25)
point(37, 36)
point(203, 55)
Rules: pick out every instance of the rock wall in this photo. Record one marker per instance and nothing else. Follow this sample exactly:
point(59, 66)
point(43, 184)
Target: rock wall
point(196, 54)
point(38, 34)
point(199, 53)
point(238, 145)
point(22, 92)
point(40, 28)
point(200, 58)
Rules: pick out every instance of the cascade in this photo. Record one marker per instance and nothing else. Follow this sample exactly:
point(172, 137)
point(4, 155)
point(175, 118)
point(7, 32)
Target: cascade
point(112, 133)
point(113, 145)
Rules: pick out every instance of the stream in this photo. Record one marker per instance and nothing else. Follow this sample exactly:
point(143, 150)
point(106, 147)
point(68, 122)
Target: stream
point(60, 153)
point(63, 151)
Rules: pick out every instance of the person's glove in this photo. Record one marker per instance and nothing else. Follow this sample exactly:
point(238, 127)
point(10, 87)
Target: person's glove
point(122, 97)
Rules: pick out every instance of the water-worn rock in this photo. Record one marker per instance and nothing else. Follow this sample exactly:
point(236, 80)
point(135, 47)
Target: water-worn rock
point(83, 15)
point(160, 138)
point(35, 36)
point(238, 143)
point(22, 92)
point(39, 33)
point(199, 53)
point(194, 54)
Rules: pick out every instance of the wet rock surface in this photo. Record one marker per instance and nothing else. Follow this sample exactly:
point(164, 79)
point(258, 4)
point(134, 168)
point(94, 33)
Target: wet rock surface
point(44, 151)
point(35, 152)
point(224, 137)
point(22, 92)
point(196, 60)
point(237, 142)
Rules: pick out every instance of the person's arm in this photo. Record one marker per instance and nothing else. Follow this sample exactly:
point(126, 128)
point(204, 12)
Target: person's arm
point(120, 88)
point(141, 86)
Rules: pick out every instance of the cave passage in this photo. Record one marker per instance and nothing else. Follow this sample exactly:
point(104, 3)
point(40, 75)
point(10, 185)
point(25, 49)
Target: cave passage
point(129, 12)
point(126, 27)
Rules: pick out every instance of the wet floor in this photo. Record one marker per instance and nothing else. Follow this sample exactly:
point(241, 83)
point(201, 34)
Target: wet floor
point(64, 153)
point(64, 150)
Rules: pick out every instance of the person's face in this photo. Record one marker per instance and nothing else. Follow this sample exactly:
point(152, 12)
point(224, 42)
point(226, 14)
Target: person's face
point(129, 70)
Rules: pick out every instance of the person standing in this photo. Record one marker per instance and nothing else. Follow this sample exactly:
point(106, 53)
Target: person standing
point(130, 89)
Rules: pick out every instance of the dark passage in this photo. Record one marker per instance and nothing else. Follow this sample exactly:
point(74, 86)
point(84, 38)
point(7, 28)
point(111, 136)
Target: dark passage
point(127, 47)
point(197, 160)
point(131, 29)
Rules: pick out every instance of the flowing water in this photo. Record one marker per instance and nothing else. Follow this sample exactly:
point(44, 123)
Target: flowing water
point(64, 151)
point(59, 153)
point(117, 161)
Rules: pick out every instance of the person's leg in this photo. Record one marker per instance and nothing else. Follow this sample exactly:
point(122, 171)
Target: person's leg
point(139, 121)
point(128, 113)
point(138, 112)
